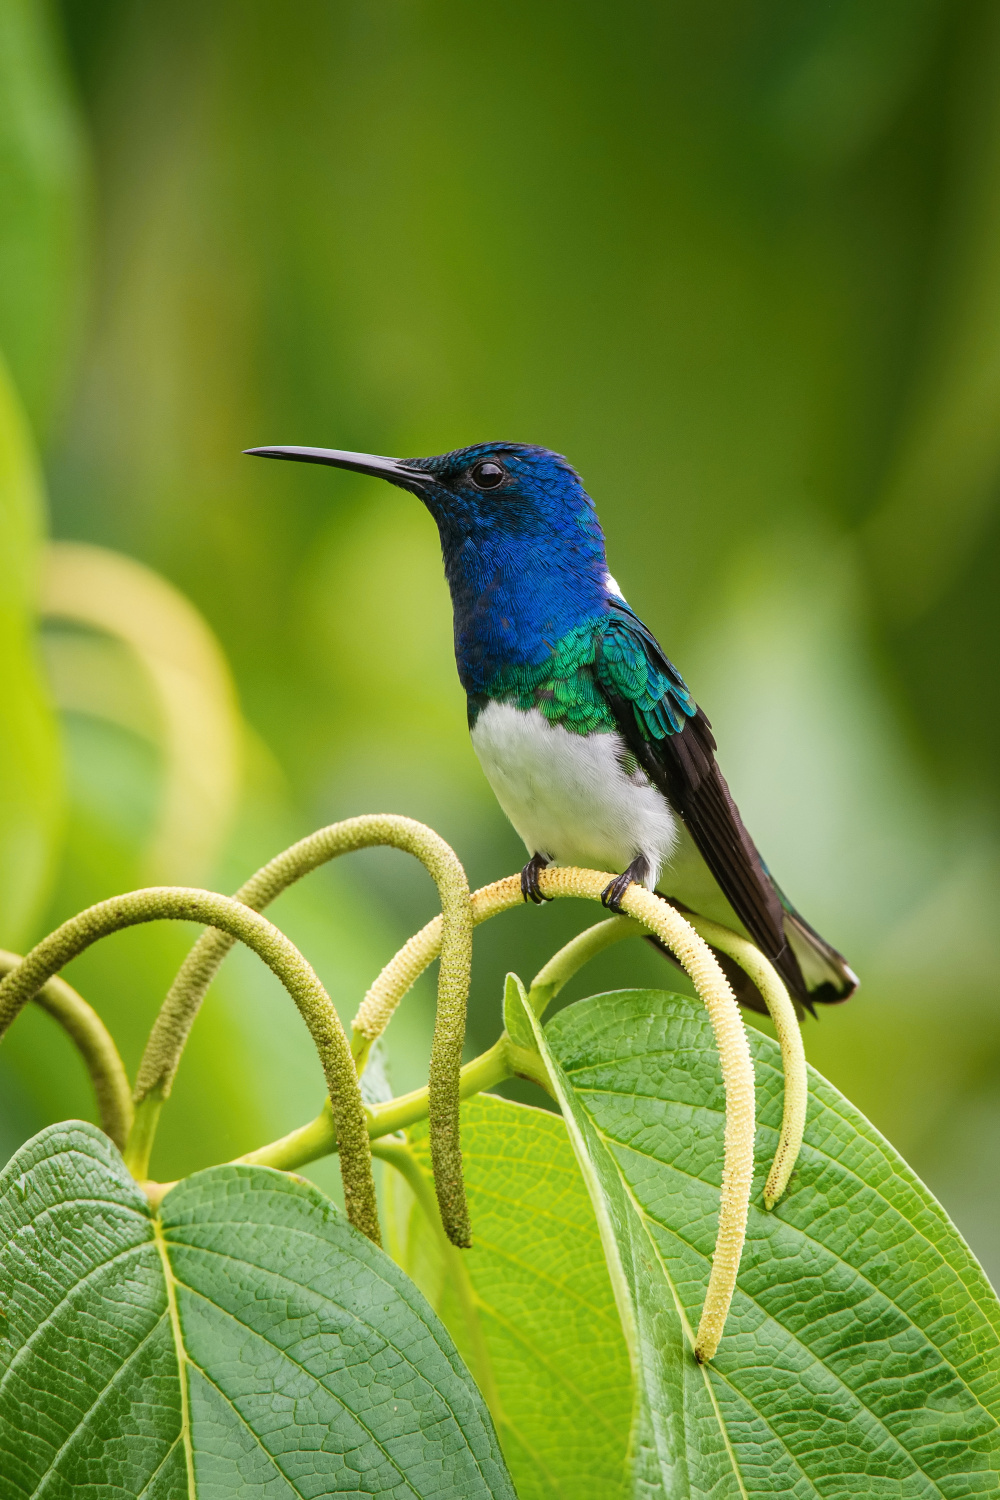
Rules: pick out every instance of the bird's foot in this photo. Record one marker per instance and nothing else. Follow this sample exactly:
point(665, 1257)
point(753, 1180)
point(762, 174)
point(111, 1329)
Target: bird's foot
point(636, 874)
point(530, 889)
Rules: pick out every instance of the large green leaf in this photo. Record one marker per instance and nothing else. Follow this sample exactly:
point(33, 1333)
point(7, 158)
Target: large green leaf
point(862, 1353)
point(558, 1371)
point(310, 1364)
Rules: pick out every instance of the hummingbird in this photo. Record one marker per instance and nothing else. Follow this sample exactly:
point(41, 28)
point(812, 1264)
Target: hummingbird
point(586, 731)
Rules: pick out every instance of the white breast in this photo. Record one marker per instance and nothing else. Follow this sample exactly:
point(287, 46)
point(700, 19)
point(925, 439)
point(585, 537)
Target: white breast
point(570, 796)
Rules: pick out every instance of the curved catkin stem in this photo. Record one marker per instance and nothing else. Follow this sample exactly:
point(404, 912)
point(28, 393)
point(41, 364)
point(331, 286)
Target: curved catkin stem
point(402, 971)
point(95, 1045)
point(793, 1057)
point(280, 955)
point(177, 1014)
point(454, 976)
point(405, 968)
point(586, 945)
point(737, 1076)
point(671, 928)
point(173, 1024)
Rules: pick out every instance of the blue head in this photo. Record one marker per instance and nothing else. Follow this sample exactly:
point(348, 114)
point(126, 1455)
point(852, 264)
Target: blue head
point(523, 548)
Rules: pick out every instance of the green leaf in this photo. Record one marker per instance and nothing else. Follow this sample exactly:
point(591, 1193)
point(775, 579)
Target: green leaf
point(30, 774)
point(862, 1352)
point(558, 1372)
point(310, 1364)
point(679, 1445)
point(515, 1000)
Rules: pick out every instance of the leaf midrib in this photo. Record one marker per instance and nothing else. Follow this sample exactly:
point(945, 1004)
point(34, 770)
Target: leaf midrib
point(573, 1128)
point(899, 1170)
point(180, 1353)
point(688, 1331)
point(310, 1293)
point(299, 1366)
point(648, 1218)
point(689, 1335)
point(184, 1358)
point(834, 1162)
point(877, 1291)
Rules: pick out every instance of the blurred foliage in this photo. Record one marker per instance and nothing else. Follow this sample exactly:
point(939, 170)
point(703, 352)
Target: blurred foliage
point(30, 773)
point(42, 213)
point(741, 262)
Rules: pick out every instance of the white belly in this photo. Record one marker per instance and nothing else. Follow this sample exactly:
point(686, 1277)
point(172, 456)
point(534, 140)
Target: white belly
point(569, 795)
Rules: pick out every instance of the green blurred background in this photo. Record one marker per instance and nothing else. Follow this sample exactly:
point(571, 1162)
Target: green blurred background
point(740, 261)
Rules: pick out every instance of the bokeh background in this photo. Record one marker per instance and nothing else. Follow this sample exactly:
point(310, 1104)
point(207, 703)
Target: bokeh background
point(740, 261)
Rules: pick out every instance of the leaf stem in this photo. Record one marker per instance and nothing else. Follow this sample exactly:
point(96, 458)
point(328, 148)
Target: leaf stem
point(318, 1138)
point(173, 1024)
point(142, 1135)
point(280, 955)
point(96, 1046)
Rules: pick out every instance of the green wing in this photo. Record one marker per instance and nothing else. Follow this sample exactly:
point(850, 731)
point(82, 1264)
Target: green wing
point(568, 688)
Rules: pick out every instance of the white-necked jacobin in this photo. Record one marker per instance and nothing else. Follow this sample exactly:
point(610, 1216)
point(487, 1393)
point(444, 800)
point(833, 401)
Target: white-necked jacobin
point(587, 733)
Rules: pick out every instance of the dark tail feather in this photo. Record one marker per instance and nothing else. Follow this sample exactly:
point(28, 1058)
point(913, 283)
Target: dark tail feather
point(829, 977)
point(821, 974)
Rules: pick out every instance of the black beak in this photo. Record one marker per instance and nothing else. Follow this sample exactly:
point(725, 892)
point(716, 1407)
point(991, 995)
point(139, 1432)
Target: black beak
point(392, 469)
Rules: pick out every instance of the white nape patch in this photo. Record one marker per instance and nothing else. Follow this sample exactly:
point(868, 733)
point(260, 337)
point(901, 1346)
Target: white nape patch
point(611, 584)
point(569, 795)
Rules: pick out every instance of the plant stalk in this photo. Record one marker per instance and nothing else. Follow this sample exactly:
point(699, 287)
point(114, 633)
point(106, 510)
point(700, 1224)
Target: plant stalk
point(562, 966)
point(142, 1135)
point(318, 1138)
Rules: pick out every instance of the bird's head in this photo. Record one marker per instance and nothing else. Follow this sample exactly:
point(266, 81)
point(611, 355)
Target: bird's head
point(512, 491)
point(523, 548)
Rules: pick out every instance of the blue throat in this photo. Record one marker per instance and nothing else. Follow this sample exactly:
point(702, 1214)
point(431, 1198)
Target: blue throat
point(524, 570)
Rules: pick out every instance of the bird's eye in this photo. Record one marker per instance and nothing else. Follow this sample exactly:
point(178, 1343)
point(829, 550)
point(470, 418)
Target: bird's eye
point(487, 474)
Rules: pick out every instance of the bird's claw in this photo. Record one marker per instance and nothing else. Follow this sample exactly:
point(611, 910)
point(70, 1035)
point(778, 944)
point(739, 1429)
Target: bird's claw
point(530, 889)
point(611, 896)
point(614, 891)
